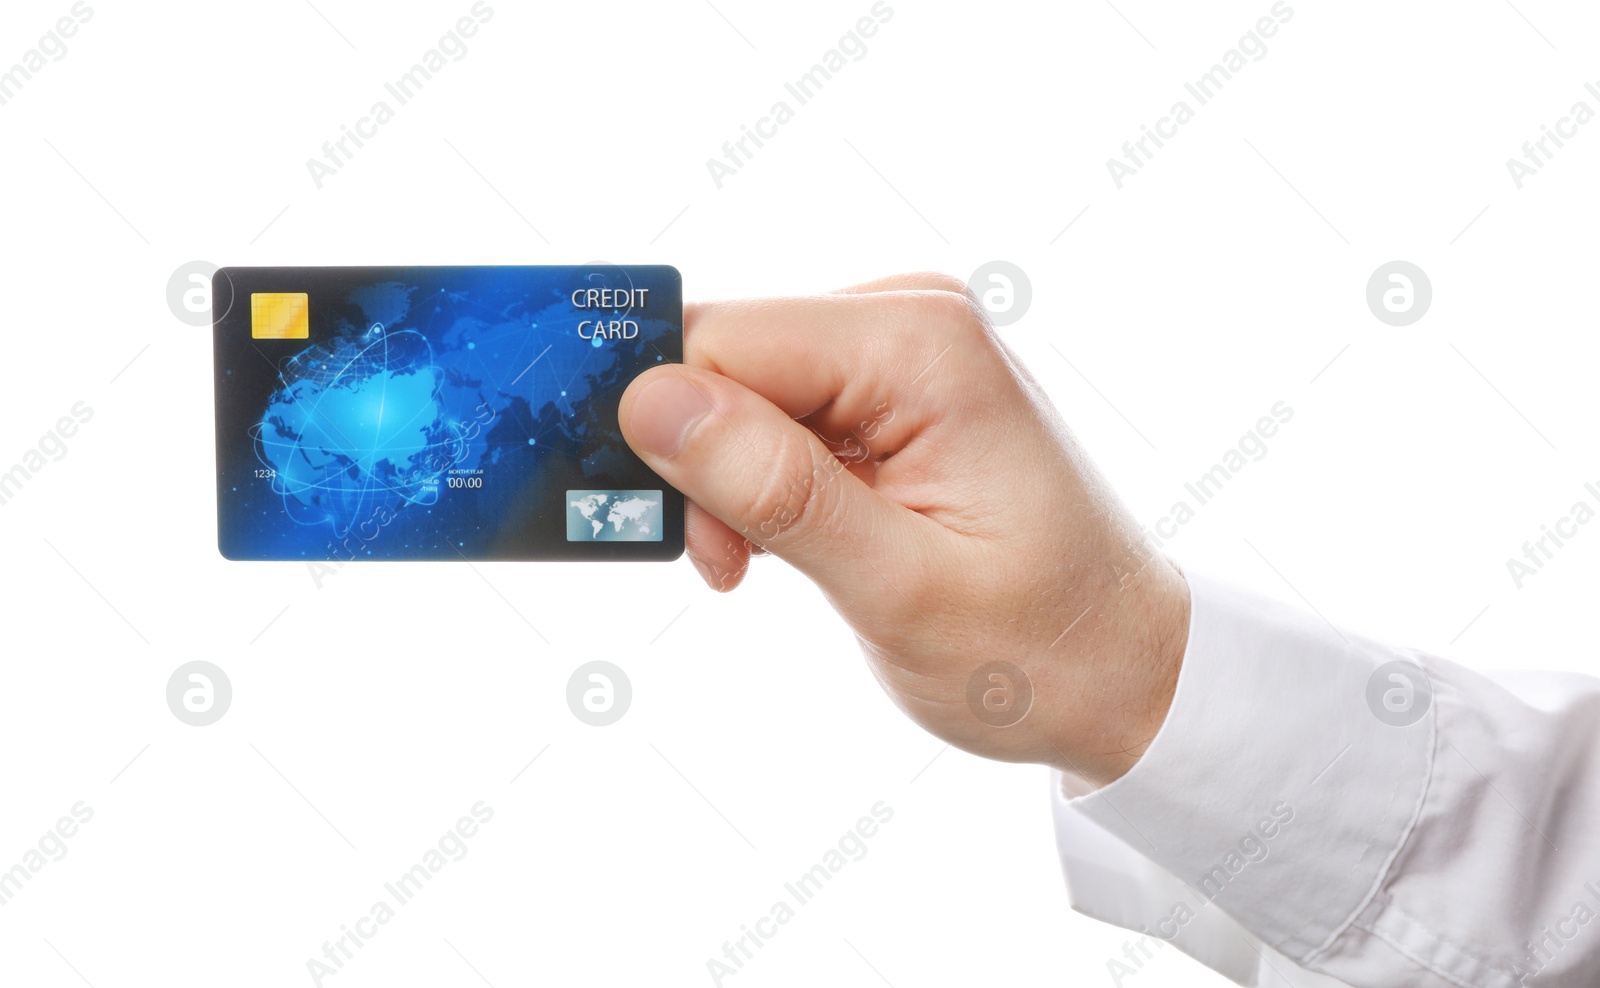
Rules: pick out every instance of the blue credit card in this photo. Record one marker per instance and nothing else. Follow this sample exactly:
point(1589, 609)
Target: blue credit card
point(439, 413)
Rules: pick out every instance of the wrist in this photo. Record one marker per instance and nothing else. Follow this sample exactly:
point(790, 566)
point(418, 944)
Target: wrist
point(1130, 679)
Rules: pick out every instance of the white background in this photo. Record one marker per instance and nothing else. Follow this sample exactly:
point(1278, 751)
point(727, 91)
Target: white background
point(369, 714)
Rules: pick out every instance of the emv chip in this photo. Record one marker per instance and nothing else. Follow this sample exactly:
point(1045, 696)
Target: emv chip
point(280, 316)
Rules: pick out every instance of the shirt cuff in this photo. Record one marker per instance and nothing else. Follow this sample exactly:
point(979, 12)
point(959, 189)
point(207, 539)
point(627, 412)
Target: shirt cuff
point(1289, 772)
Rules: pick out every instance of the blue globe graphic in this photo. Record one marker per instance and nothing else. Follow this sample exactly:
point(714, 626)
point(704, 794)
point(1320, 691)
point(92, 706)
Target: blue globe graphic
point(357, 428)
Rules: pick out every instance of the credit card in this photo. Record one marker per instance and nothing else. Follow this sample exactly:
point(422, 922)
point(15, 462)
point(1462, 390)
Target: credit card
point(439, 413)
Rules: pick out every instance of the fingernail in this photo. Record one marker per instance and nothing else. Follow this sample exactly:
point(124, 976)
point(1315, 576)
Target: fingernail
point(663, 413)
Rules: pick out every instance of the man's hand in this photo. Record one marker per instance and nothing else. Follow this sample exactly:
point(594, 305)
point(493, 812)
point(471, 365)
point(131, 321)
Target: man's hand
point(884, 441)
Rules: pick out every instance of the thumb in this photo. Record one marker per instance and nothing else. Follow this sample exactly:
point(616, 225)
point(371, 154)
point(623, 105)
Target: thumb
point(766, 476)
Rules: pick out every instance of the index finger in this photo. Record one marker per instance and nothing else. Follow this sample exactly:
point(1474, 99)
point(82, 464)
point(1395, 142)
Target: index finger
point(853, 350)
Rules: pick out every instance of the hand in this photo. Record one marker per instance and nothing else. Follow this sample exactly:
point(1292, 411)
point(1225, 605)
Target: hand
point(884, 441)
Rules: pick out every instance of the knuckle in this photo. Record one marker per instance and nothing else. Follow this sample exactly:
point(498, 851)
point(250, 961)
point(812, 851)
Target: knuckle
point(939, 281)
point(975, 317)
point(937, 322)
point(958, 313)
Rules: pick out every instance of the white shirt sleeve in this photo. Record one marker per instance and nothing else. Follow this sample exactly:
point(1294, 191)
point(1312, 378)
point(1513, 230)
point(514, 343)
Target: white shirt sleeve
point(1321, 809)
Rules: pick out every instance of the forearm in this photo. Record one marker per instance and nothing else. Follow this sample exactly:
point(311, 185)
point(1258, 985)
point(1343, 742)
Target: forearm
point(1372, 832)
